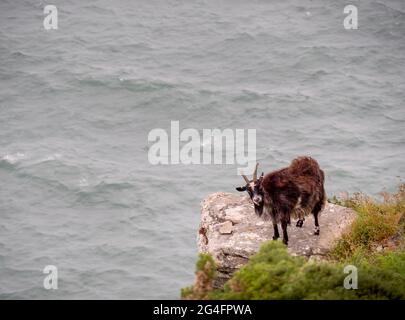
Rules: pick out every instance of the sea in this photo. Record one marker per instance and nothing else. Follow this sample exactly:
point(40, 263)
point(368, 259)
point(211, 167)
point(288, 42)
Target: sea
point(78, 190)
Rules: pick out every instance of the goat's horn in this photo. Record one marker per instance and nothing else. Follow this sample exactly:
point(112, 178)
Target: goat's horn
point(255, 173)
point(246, 179)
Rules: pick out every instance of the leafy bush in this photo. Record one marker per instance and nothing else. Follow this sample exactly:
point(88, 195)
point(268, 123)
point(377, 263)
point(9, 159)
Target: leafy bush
point(376, 222)
point(205, 274)
point(273, 274)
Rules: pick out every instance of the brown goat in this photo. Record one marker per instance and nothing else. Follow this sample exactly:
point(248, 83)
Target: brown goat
point(295, 191)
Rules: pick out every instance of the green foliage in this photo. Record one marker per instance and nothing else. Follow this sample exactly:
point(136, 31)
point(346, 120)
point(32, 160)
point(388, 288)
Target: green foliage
point(204, 276)
point(206, 264)
point(273, 274)
point(376, 222)
point(393, 261)
point(187, 292)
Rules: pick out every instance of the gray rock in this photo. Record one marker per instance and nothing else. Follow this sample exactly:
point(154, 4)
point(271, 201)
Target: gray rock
point(231, 232)
point(225, 227)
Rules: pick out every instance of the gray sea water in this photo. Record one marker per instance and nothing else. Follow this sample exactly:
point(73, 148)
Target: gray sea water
point(76, 105)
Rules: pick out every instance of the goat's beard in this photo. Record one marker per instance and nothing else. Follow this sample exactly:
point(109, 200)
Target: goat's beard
point(259, 209)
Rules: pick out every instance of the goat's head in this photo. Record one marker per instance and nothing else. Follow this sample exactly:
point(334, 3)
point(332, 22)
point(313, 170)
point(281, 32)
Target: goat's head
point(255, 191)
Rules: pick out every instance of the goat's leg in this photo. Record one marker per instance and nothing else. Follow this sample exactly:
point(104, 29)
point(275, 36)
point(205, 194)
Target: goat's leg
point(316, 230)
point(301, 217)
point(276, 235)
point(285, 234)
point(315, 212)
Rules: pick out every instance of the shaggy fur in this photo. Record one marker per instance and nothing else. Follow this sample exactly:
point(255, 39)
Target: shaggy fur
point(295, 191)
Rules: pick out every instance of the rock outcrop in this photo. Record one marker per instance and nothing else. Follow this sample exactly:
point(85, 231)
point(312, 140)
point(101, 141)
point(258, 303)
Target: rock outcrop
point(231, 232)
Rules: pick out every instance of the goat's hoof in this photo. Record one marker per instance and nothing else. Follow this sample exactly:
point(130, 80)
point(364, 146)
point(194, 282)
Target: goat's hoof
point(285, 242)
point(299, 223)
point(316, 232)
point(275, 238)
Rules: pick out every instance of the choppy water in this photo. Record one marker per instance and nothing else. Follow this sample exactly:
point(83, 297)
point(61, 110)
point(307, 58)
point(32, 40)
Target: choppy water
point(77, 104)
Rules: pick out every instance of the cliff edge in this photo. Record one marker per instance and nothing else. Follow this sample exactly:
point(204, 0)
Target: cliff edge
point(231, 232)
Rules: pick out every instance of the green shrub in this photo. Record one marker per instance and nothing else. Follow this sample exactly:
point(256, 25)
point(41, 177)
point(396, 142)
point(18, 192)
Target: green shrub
point(376, 222)
point(206, 264)
point(273, 274)
point(204, 276)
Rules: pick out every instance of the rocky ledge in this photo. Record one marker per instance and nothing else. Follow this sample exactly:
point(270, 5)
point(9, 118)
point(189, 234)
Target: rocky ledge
point(231, 232)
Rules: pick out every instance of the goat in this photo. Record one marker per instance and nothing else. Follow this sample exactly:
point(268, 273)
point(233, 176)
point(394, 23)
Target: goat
point(294, 191)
